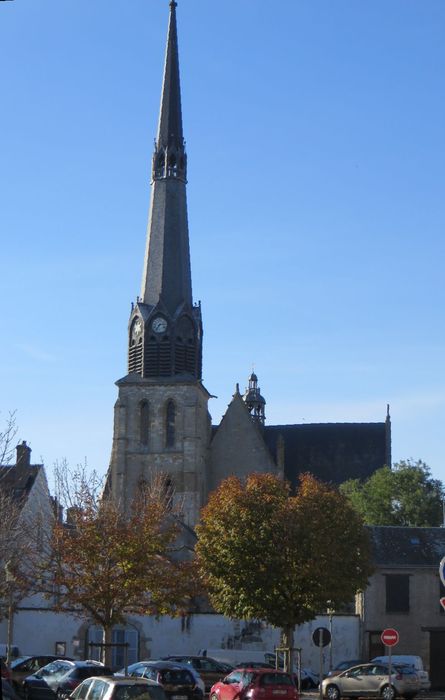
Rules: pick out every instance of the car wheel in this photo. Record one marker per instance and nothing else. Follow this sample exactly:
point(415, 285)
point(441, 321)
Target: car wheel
point(388, 692)
point(213, 697)
point(333, 692)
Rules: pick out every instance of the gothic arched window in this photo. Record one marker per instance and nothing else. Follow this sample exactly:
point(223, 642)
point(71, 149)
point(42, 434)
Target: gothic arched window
point(144, 425)
point(170, 417)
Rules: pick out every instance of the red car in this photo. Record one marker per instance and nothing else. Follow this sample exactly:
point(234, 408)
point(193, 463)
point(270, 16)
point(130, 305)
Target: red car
point(255, 684)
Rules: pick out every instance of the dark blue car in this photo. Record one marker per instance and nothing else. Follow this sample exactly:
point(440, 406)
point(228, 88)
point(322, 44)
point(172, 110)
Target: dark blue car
point(39, 686)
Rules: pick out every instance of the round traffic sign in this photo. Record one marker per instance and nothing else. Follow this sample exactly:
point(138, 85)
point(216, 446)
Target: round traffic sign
point(321, 636)
point(390, 637)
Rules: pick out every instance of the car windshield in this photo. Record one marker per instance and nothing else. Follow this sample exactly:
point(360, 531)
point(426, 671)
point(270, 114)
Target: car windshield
point(176, 677)
point(276, 679)
point(19, 660)
point(55, 667)
point(141, 692)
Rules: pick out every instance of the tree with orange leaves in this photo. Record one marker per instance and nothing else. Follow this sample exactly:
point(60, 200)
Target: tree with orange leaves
point(267, 555)
point(107, 563)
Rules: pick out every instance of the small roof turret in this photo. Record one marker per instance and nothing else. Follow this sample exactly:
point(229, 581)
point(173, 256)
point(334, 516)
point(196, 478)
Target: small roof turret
point(254, 401)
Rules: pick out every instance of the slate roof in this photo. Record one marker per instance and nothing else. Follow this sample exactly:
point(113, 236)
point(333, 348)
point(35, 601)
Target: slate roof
point(395, 547)
point(18, 480)
point(333, 452)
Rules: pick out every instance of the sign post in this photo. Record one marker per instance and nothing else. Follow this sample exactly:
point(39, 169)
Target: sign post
point(321, 638)
point(389, 637)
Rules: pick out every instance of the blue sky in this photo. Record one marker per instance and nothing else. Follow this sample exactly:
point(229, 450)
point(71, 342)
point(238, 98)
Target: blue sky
point(316, 208)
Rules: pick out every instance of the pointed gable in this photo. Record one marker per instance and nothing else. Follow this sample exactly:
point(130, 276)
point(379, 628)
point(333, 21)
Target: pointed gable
point(238, 446)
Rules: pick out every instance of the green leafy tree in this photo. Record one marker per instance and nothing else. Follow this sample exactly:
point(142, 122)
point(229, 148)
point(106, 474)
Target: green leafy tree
point(263, 554)
point(405, 495)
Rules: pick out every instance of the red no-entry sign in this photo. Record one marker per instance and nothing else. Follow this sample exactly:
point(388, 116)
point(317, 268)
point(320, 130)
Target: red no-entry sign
point(390, 637)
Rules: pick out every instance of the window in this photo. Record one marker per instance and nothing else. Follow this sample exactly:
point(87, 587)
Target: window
point(170, 424)
point(234, 677)
point(144, 425)
point(98, 690)
point(397, 593)
point(82, 689)
point(141, 692)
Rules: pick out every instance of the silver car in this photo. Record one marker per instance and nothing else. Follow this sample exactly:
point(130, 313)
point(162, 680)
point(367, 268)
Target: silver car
point(372, 680)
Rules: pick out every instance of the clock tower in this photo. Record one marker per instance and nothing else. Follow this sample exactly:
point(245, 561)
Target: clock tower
point(161, 422)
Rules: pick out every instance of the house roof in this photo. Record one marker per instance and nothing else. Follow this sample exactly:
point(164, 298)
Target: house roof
point(333, 452)
point(395, 547)
point(18, 480)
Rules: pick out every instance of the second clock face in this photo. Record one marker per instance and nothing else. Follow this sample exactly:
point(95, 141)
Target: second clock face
point(159, 325)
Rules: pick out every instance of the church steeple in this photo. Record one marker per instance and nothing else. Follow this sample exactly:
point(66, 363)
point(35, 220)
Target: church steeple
point(165, 330)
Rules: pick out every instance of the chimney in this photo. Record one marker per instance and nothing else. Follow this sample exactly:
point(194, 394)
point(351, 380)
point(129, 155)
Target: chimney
point(23, 455)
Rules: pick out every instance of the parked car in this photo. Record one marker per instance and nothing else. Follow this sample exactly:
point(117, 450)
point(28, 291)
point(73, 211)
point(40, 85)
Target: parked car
point(308, 678)
point(255, 684)
point(198, 680)
point(63, 686)
point(8, 692)
point(26, 665)
point(372, 680)
point(118, 689)
point(209, 669)
point(4, 671)
point(178, 682)
point(344, 665)
point(37, 687)
point(411, 660)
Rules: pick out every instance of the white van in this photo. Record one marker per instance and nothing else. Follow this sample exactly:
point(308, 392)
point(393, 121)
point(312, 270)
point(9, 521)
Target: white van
point(409, 660)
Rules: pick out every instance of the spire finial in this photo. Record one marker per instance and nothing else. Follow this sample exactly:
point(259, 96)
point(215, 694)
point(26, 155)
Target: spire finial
point(173, 4)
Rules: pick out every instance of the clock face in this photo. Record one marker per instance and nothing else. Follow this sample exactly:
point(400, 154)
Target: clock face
point(159, 325)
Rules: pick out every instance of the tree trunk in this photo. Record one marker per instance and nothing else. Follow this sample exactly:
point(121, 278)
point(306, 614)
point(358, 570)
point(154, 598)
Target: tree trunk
point(107, 650)
point(287, 634)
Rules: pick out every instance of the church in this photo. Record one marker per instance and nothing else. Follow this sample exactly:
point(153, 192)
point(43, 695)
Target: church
point(161, 418)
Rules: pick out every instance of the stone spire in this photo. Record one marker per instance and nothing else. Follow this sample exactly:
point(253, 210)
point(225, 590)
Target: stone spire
point(166, 274)
point(165, 328)
point(170, 115)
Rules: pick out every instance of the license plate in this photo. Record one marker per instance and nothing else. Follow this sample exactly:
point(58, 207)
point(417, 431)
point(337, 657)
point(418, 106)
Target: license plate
point(179, 697)
point(277, 691)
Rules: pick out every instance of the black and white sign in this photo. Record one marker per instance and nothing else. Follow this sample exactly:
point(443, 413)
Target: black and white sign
point(321, 637)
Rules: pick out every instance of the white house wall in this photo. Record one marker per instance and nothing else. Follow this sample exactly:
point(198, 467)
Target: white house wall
point(39, 631)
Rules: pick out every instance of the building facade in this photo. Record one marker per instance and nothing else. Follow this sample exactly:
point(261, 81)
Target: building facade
point(404, 593)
